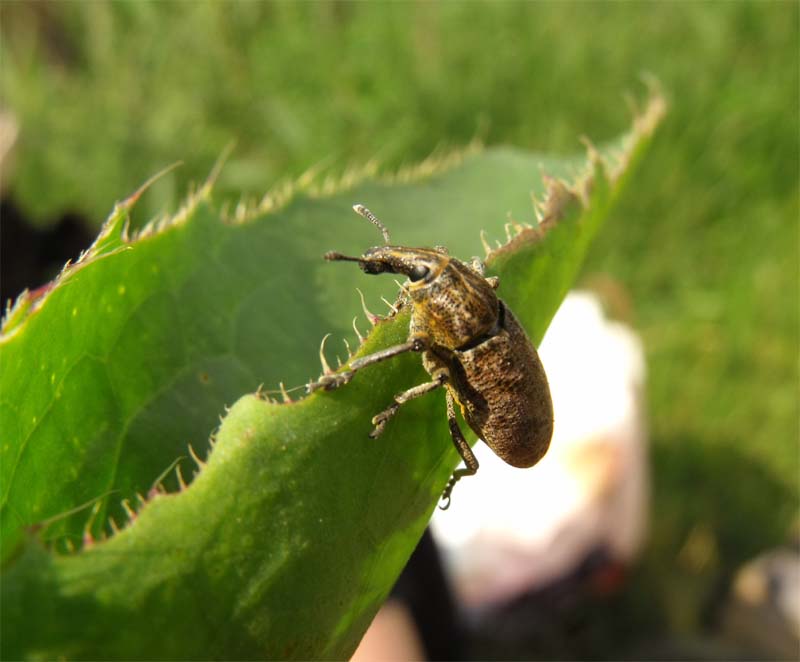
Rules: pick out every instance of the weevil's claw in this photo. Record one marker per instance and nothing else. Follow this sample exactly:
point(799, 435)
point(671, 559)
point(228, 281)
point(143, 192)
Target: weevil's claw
point(377, 432)
point(448, 490)
point(379, 422)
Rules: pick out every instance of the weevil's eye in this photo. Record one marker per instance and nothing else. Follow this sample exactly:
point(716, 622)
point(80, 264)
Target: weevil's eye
point(418, 272)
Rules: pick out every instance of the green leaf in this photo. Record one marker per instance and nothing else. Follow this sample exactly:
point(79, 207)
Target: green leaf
point(291, 535)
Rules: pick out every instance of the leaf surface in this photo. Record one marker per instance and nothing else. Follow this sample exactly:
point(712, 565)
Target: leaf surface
point(291, 535)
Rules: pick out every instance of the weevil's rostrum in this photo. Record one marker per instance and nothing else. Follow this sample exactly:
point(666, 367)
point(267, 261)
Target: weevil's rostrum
point(472, 345)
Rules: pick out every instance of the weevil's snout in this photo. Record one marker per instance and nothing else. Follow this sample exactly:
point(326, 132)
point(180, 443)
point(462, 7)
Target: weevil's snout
point(419, 264)
point(374, 267)
point(333, 256)
point(368, 265)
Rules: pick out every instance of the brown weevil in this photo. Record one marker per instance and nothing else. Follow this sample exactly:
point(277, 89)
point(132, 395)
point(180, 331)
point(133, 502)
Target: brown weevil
point(471, 344)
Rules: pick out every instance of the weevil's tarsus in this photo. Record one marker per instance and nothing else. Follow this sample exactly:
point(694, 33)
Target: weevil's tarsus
point(380, 420)
point(330, 382)
point(366, 213)
point(463, 450)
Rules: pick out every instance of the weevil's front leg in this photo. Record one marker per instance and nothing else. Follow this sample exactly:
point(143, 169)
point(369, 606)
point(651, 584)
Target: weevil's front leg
point(330, 382)
point(380, 420)
point(477, 265)
point(463, 450)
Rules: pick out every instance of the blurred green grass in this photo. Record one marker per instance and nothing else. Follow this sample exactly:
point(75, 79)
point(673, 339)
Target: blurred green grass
point(705, 242)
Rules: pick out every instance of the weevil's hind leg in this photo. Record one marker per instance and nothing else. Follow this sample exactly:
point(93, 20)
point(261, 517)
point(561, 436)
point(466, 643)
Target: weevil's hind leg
point(380, 420)
point(463, 450)
point(330, 382)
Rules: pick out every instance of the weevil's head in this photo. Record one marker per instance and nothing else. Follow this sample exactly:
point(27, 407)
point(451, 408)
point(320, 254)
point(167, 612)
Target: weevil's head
point(453, 302)
point(420, 265)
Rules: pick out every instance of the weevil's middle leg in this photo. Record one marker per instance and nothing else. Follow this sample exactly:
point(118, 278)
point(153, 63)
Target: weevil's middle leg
point(380, 420)
point(330, 382)
point(463, 450)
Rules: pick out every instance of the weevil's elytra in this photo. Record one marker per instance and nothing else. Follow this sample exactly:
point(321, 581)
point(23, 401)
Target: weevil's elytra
point(471, 344)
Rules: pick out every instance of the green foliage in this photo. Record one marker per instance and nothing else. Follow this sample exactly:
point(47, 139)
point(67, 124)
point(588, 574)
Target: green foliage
point(293, 532)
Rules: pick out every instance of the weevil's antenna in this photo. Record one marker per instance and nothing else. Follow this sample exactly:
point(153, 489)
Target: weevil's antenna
point(366, 213)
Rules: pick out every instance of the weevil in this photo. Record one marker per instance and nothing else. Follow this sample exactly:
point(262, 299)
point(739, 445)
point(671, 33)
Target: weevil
point(471, 344)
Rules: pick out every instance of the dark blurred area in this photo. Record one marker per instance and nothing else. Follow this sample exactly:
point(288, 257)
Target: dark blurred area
point(31, 255)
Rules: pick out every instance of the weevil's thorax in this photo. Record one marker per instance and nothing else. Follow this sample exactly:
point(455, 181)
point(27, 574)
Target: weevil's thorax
point(452, 303)
point(455, 306)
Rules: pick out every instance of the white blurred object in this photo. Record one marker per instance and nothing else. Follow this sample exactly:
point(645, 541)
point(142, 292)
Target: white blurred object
point(510, 530)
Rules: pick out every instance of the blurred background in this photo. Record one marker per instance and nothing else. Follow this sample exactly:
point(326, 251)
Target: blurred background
point(700, 257)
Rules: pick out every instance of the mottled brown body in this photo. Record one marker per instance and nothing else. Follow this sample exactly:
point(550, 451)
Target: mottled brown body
point(502, 389)
point(471, 344)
